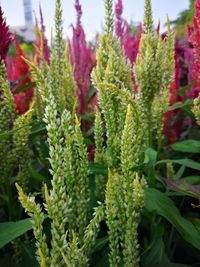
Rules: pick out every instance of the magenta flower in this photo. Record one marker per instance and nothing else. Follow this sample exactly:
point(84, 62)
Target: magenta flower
point(129, 41)
point(194, 37)
point(5, 37)
point(119, 24)
point(83, 60)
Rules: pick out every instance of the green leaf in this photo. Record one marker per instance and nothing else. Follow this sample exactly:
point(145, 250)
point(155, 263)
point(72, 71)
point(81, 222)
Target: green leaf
point(38, 129)
point(100, 258)
point(192, 179)
point(155, 255)
point(183, 187)
point(156, 201)
point(24, 88)
point(182, 90)
point(157, 231)
point(87, 116)
point(36, 175)
point(178, 105)
point(190, 146)
point(196, 222)
point(7, 259)
point(91, 94)
point(11, 230)
point(185, 162)
point(6, 134)
point(150, 157)
point(96, 168)
point(171, 264)
point(180, 172)
point(28, 255)
point(100, 243)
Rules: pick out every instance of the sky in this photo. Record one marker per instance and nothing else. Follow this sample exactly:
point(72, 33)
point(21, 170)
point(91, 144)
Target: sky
point(93, 13)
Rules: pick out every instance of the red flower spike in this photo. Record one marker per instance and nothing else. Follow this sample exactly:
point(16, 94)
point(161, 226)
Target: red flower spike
point(18, 73)
point(194, 38)
point(5, 37)
point(119, 25)
point(83, 59)
point(169, 129)
point(129, 41)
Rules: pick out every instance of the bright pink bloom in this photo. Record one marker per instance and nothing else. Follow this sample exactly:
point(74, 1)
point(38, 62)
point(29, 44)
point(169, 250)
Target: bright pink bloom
point(194, 37)
point(129, 41)
point(83, 60)
point(5, 37)
point(119, 25)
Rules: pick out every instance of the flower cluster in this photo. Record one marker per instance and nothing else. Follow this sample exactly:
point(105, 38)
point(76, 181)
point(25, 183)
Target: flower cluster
point(14, 151)
point(19, 75)
point(58, 73)
point(154, 69)
point(67, 202)
point(194, 36)
point(129, 40)
point(5, 37)
point(196, 109)
point(83, 60)
point(122, 148)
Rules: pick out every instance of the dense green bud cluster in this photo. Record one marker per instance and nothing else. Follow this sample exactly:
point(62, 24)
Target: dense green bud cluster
point(14, 151)
point(154, 71)
point(148, 18)
point(100, 156)
point(127, 129)
point(109, 22)
point(196, 109)
point(92, 229)
point(125, 124)
point(124, 130)
point(7, 117)
point(20, 151)
point(67, 203)
point(7, 105)
point(58, 75)
point(131, 142)
point(35, 212)
point(56, 201)
point(124, 202)
point(113, 80)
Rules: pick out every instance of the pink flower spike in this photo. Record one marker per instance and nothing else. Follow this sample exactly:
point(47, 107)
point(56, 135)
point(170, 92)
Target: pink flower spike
point(5, 37)
point(83, 59)
point(119, 20)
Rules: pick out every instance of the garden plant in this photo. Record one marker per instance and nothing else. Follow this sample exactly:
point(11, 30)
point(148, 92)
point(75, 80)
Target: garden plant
point(99, 145)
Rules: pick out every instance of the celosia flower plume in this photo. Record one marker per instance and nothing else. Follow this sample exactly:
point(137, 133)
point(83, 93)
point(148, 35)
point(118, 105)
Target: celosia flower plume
point(83, 60)
point(171, 129)
point(129, 41)
point(194, 37)
point(18, 73)
point(119, 20)
point(5, 36)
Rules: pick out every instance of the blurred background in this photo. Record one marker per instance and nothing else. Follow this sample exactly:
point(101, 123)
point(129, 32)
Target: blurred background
point(93, 13)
